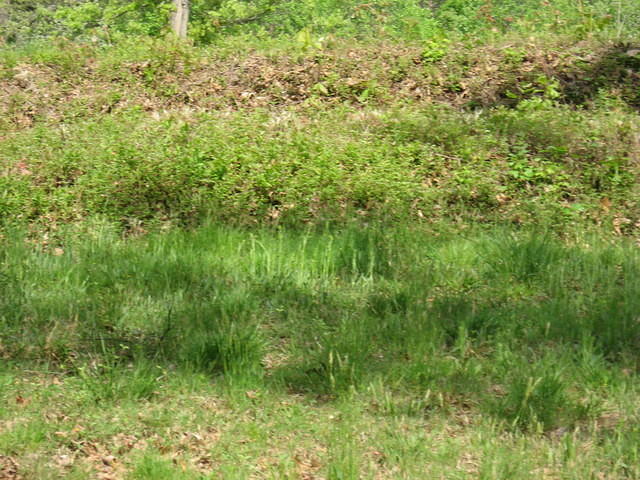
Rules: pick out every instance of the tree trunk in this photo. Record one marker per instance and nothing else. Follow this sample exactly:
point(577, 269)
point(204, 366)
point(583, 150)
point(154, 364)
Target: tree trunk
point(180, 18)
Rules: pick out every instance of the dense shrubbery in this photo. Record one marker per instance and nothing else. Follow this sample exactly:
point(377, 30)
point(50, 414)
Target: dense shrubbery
point(152, 131)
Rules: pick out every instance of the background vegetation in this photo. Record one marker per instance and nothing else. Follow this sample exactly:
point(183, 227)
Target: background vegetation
point(413, 19)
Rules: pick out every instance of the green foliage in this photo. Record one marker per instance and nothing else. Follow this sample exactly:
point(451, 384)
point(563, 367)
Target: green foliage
point(139, 17)
point(414, 20)
point(551, 165)
point(435, 50)
point(427, 257)
point(22, 20)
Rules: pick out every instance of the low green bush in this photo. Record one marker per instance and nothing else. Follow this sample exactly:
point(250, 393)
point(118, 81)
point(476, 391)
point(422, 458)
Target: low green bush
point(426, 164)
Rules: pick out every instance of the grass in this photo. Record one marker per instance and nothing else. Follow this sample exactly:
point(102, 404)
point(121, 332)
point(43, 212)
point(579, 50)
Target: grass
point(409, 257)
point(344, 353)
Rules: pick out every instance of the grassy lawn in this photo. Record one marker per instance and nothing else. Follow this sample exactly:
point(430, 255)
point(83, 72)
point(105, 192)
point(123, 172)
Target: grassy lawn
point(339, 353)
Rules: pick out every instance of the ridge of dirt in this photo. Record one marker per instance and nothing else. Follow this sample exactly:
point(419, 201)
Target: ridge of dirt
point(376, 74)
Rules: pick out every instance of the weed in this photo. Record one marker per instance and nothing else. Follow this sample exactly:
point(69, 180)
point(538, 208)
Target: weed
point(108, 379)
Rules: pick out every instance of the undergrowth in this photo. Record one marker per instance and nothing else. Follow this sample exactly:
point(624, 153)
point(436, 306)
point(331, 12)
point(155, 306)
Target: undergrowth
point(550, 165)
point(152, 133)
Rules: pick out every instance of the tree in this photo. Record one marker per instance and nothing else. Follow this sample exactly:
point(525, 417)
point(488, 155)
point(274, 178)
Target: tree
point(180, 18)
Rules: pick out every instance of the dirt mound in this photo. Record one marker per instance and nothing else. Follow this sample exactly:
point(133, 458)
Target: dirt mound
point(371, 74)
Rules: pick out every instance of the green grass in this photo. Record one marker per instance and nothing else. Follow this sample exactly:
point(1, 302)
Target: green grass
point(352, 352)
point(283, 256)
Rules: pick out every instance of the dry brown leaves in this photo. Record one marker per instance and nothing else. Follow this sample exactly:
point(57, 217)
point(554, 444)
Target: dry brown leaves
point(112, 459)
point(388, 72)
point(9, 469)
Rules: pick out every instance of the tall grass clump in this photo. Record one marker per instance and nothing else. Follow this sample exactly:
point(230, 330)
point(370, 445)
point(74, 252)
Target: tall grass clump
point(225, 343)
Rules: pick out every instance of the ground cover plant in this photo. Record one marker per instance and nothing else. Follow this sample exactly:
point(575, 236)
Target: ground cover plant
point(158, 132)
point(320, 240)
point(429, 164)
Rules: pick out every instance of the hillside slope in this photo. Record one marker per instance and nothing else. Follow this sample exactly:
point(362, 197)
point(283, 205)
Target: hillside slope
point(163, 133)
